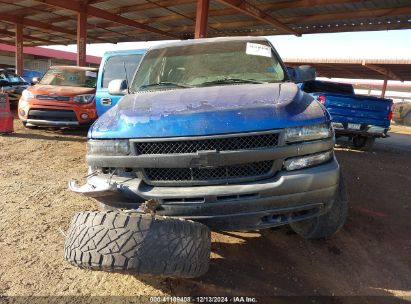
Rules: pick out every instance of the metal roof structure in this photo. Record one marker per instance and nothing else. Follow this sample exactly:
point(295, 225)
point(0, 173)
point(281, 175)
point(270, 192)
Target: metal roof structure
point(390, 69)
point(48, 22)
point(50, 53)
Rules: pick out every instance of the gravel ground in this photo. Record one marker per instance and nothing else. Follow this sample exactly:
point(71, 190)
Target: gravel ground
point(370, 256)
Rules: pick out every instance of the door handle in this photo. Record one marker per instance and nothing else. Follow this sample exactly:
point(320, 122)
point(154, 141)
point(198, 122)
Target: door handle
point(105, 101)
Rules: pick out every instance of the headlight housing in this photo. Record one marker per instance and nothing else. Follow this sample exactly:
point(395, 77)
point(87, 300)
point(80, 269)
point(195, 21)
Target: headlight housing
point(85, 98)
point(306, 161)
point(108, 147)
point(26, 95)
point(306, 133)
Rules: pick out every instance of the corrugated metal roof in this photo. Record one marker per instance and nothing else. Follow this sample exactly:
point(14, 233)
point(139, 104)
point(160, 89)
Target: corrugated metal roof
point(178, 17)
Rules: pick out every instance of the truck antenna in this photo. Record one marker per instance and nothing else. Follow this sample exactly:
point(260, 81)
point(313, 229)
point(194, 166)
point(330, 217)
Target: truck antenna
point(125, 71)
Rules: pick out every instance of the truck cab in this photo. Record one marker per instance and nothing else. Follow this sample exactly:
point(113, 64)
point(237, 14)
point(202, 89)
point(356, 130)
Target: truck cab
point(213, 130)
point(115, 65)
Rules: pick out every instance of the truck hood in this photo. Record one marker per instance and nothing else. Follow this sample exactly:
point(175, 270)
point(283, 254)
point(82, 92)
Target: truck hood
point(41, 89)
point(209, 111)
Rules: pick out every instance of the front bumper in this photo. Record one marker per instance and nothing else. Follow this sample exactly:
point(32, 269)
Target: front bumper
point(15, 94)
point(51, 123)
point(284, 198)
point(53, 116)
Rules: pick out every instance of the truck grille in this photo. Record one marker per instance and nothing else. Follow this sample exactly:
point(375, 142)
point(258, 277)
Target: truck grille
point(53, 97)
point(253, 171)
point(243, 142)
point(52, 115)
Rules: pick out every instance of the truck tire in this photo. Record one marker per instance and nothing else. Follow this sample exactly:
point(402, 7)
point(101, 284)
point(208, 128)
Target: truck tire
point(363, 143)
point(329, 223)
point(138, 243)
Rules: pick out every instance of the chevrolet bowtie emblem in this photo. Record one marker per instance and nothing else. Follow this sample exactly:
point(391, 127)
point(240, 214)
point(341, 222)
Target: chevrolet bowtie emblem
point(206, 159)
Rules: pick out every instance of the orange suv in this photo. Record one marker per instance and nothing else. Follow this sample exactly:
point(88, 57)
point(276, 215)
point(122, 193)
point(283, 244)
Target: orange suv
point(65, 97)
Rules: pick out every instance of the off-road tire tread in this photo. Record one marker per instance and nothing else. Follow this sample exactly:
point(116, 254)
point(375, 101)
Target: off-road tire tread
point(138, 243)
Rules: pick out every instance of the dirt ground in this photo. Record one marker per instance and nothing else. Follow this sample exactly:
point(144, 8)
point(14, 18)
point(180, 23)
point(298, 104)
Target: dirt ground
point(370, 256)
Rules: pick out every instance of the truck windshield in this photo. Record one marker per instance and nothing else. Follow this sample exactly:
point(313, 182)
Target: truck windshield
point(208, 64)
point(70, 77)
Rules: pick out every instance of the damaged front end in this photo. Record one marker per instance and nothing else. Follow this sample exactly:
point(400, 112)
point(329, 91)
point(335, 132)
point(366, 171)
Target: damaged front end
point(247, 183)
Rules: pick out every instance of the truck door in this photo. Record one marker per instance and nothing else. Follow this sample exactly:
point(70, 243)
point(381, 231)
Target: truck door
point(114, 66)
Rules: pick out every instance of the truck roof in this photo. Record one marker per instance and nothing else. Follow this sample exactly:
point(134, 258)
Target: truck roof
point(124, 52)
point(206, 40)
point(73, 67)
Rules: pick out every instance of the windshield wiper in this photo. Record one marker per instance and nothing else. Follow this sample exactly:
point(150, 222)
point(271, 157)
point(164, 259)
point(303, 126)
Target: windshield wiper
point(165, 83)
point(231, 80)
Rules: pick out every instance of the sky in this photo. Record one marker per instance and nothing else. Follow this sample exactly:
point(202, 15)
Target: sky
point(394, 44)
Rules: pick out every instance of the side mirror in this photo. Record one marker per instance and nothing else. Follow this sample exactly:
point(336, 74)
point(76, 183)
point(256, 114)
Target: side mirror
point(302, 73)
point(35, 80)
point(117, 87)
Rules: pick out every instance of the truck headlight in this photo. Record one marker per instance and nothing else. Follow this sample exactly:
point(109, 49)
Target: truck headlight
point(301, 162)
point(307, 133)
point(86, 98)
point(108, 147)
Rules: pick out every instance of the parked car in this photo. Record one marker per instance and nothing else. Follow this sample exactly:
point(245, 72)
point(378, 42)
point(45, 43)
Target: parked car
point(32, 76)
point(360, 118)
point(12, 84)
point(65, 97)
point(115, 65)
point(214, 131)
point(402, 113)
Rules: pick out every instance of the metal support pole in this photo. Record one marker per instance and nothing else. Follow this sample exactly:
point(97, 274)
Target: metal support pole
point(384, 86)
point(201, 19)
point(81, 38)
point(19, 49)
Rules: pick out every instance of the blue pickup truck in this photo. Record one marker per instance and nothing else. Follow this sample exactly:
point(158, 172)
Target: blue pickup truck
point(360, 118)
point(215, 131)
point(115, 65)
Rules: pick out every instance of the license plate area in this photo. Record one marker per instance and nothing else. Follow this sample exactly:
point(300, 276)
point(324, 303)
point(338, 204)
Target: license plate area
point(354, 126)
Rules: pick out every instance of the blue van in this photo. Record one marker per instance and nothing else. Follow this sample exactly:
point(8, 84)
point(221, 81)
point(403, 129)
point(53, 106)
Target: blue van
point(115, 65)
point(28, 76)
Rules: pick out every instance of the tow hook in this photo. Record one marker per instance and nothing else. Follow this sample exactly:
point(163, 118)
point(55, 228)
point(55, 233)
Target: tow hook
point(149, 206)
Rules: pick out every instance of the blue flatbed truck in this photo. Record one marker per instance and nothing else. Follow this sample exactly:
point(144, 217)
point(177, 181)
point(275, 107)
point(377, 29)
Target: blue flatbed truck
point(360, 118)
point(211, 133)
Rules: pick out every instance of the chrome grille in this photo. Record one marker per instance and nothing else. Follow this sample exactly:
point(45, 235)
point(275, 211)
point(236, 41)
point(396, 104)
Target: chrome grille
point(255, 170)
point(243, 142)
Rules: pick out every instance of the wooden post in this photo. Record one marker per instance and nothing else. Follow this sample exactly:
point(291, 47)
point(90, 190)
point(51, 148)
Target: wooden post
point(202, 19)
point(19, 49)
point(81, 38)
point(384, 86)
